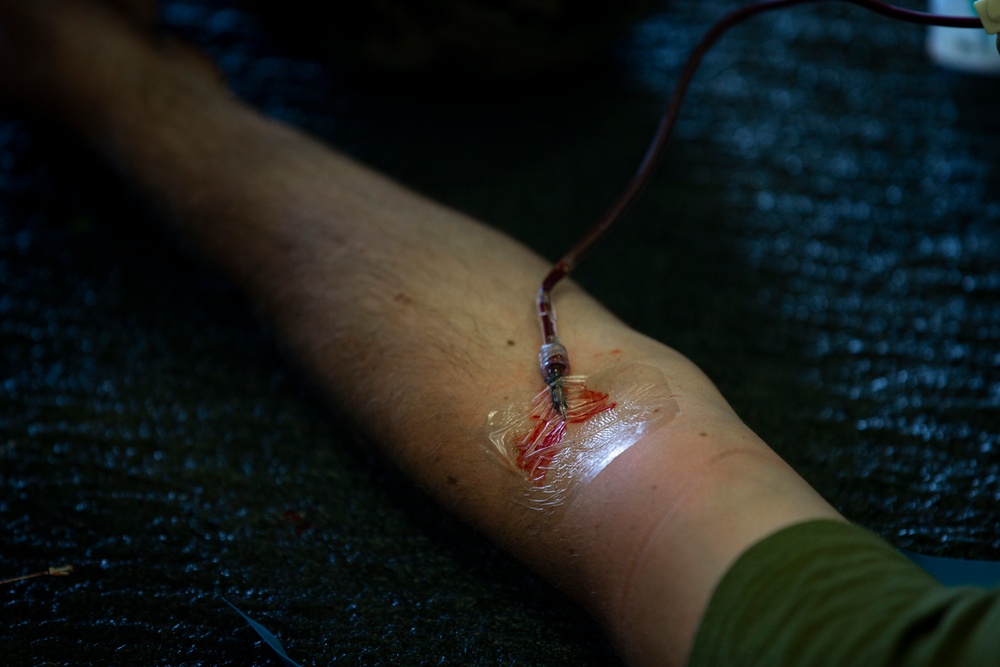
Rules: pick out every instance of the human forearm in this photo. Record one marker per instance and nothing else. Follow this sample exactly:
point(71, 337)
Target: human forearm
point(419, 323)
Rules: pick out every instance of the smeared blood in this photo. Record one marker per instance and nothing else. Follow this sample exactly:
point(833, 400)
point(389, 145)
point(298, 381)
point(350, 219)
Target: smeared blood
point(538, 447)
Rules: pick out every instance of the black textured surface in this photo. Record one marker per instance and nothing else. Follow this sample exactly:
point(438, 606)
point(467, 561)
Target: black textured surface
point(822, 238)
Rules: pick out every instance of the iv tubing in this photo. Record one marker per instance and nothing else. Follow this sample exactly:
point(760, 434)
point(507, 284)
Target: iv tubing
point(553, 359)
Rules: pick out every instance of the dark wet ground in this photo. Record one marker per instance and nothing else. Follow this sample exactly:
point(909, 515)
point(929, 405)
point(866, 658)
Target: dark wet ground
point(823, 238)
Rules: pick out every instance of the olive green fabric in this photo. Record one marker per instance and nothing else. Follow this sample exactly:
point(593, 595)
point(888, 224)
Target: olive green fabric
point(829, 593)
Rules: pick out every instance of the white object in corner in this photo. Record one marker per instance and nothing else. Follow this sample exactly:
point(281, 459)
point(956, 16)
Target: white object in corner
point(961, 48)
point(989, 14)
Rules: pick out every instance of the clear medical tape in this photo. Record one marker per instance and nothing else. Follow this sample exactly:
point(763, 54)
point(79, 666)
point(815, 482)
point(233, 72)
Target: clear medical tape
point(553, 456)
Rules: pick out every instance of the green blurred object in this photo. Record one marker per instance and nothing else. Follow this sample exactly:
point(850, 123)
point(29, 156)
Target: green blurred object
point(496, 39)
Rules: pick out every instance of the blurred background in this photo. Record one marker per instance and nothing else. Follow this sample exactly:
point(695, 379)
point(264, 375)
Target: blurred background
point(822, 238)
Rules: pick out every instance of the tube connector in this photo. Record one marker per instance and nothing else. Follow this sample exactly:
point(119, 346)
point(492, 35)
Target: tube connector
point(553, 361)
point(989, 14)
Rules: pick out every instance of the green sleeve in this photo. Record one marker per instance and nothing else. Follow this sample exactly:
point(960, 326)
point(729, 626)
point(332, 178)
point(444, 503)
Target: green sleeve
point(829, 593)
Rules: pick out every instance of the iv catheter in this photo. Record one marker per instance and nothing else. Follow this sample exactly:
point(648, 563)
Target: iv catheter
point(553, 358)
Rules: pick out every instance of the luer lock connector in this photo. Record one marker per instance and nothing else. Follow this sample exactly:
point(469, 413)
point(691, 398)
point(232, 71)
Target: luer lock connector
point(553, 360)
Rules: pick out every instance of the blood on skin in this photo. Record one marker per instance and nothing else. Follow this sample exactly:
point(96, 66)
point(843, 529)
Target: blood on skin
point(552, 456)
point(535, 449)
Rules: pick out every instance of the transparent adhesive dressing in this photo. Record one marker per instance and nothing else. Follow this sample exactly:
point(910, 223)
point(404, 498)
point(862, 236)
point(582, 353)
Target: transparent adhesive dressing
point(608, 412)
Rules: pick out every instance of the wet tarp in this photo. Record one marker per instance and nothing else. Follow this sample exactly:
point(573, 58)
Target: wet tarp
point(822, 238)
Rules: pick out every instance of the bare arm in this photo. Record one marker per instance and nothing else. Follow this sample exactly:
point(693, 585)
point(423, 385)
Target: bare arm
point(419, 321)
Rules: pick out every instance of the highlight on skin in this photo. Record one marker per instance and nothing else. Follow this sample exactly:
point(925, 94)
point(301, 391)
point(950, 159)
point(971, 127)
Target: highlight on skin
point(552, 456)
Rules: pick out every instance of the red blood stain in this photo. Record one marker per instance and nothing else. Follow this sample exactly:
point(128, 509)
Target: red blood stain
point(539, 445)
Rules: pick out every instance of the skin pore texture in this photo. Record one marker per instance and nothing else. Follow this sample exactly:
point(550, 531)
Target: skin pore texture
point(368, 285)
